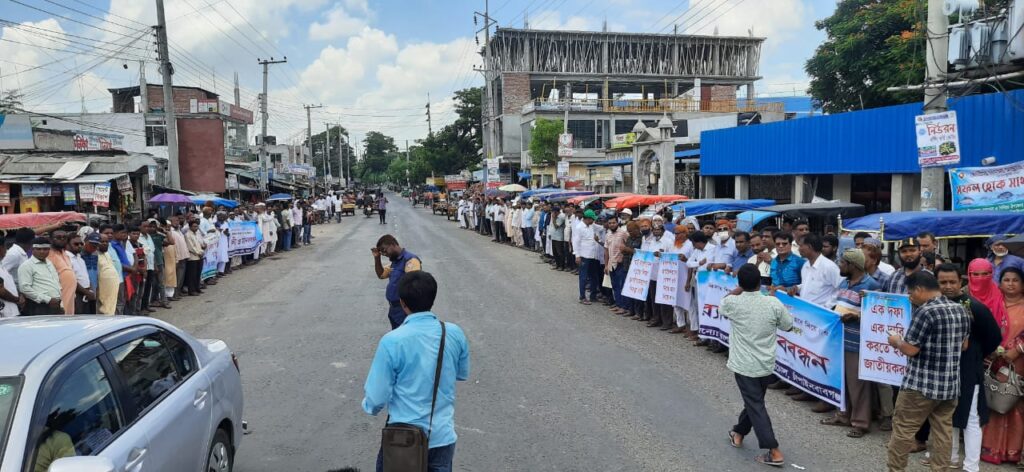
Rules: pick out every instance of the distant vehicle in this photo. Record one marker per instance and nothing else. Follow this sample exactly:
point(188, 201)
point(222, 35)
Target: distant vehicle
point(105, 394)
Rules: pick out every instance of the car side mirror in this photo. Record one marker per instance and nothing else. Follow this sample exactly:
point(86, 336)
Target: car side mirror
point(82, 464)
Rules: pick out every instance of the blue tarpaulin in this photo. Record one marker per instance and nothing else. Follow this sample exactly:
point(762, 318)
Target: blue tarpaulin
point(217, 201)
point(747, 220)
point(944, 224)
point(539, 191)
point(713, 205)
point(548, 196)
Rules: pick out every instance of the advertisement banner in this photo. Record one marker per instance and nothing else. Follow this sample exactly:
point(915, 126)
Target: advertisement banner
point(669, 277)
point(565, 145)
point(35, 190)
point(712, 287)
point(811, 357)
point(639, 276)
point(101, 198)
point(89, 141)
point(124, 184)
point(210, 258)
point(70, 194)
point(244, 238)
point(938, 140)
point(880, 314)
point(86, 192)
point(988, 188)
point(623, 140)
point(562, 171)
point(5, 194)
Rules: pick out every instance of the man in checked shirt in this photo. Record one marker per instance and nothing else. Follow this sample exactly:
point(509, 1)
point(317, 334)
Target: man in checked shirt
point(937, 334)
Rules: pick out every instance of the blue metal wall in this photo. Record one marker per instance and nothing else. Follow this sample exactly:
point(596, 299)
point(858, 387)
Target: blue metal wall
point(876, 141)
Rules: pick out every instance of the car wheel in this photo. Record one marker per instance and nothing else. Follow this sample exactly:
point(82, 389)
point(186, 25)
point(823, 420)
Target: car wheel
point(220, 459)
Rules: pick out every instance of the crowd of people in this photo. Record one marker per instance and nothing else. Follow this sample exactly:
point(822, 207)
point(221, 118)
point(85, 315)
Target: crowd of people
point(941, 401)
point(131, 269)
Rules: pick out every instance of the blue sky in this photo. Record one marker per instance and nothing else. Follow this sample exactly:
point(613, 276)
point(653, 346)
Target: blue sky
point(370, 62)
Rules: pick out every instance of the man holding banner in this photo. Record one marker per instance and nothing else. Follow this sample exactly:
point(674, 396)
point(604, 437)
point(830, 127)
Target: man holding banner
point(931, 385)
point(755, 319)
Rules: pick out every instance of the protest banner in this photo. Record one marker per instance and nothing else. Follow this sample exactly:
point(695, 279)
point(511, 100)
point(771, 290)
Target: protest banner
point(712, 287)
point(668, 279)
point(811, 356)
point(210, 258)
point(880, 314)
point(639, 276)
point(244, 238)
point(988, 188)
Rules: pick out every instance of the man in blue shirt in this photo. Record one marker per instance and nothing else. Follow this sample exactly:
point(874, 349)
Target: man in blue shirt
point(401, 377)
point(786, 265)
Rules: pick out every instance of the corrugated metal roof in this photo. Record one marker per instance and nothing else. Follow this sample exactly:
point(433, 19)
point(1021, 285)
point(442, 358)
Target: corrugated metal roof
point(876, 141)
point(50, 162)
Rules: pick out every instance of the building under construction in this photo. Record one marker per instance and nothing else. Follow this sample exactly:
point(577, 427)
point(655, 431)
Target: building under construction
point(608, 82)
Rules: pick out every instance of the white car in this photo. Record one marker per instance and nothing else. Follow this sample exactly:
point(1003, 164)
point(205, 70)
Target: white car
point(106, 394)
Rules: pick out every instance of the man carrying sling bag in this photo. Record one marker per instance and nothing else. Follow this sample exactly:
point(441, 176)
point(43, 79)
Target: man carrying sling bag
point(416, 384)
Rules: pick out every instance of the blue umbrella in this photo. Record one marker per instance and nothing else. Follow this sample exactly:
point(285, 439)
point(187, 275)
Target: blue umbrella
point(218, 201)
point(279, 197)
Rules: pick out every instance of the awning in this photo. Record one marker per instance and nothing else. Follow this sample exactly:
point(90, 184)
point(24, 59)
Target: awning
point(38, 179)
point(70, 170)
point(612, 163)
point(687, 153)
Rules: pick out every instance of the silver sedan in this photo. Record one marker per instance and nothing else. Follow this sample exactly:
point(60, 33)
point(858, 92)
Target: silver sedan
point(105, 394)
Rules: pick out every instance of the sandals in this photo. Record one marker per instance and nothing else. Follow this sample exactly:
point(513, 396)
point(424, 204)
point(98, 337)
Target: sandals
point(834, 421)
point(766, 459)
point(857, 433)
point(732, 439)
point(585, 302)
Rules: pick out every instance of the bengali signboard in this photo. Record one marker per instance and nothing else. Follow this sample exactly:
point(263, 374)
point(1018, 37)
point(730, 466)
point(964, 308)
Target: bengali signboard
point(880, 314)
point(70, 192)
point(938, 139)
point(124, 184)
point(35, 190)
point(455, 182)
point(562, 172)
point(988, 188)
point(620, 141)
point(639, 276)
point(203, 105)
point(565, 145)
point(86, 192)
point(210, 258)
point(236, 112)
point(89, 141)
point(5, 194)
point(671, 274)
point(712, 287)
point(811, 357)
point(244, 238)
point(101, 197)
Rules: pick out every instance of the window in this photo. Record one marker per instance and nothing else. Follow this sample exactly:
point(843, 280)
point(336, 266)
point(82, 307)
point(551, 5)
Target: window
point(82, 418)
point(156, 134)
point(147, 368)
point(9, 387)
point(584, 134)
point(184, 358)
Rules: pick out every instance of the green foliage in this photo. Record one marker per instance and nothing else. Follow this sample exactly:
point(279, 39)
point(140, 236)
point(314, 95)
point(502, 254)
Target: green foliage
point(344, 153)
point(544, 141)
point(11, 102)
point(870, 45)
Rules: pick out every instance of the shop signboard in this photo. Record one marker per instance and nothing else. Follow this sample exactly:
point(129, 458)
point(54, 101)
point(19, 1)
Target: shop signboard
point(563, 170)
point(232, 182)
point(86, 192)
point(55, 191)
point(101, 196)
point(988, 188)
point(938, 141)
point(124, 184)
point(70, 194)
point(565, 145)
point(620, 141)
point(152, 174)
point(203, 105)
point(35, 190)
point(89, 141)
point(5, 194)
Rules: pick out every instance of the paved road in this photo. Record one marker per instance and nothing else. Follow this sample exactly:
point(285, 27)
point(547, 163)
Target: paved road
point(554, 386)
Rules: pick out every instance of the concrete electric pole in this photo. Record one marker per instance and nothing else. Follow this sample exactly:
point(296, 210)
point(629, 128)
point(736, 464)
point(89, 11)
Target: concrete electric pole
point(327, 157)
point(264, 176)
point(167, 70)
point(309, 129)
point(430, 126)
point(341, 157)
point(933, 179)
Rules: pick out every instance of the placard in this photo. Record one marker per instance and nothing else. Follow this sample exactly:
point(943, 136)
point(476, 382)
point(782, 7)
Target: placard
point(712, 287)
point(101, 198)
point(639, 276)
point(668, 280)
point(210, 258)
point(881, 313)
point(244, 238)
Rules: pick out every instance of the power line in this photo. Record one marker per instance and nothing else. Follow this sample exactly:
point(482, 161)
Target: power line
point(41, 10)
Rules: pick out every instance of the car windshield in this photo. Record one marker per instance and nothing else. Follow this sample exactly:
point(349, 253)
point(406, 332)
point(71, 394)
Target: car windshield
point(9, 387)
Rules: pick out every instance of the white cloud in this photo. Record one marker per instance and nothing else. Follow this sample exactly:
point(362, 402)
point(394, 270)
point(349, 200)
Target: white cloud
point(778, 20)
point(552, 20)
point(339, 23)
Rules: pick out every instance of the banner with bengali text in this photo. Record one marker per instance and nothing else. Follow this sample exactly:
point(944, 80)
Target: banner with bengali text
point(881, 313)
point(668, 288)
point(811, 357)
point(712, 287)
point(244, 238)
point(210, 258)
point(639, 276)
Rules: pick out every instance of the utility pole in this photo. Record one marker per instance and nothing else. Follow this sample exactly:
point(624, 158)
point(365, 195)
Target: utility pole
point(430, 127)
point(309, 127)
point(143, 90)
point(167, 70)
point(488, 144)
point(327, 157)
point(264, 175)
point(933, 179)
point(407, 185)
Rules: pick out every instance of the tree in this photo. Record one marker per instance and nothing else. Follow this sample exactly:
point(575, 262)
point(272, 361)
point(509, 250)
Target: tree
point(544, 141)
point(469, 125)
point(870, 45)
point(11, 102)
point(344, 153)
point(379, 151)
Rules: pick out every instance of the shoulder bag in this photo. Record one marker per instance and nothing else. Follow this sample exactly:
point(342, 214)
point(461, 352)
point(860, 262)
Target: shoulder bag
point(1002, 396)
point(405, 447)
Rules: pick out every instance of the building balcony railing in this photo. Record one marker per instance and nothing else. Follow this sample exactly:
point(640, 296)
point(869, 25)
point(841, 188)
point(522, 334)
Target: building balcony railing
point(665, 105)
